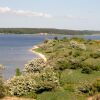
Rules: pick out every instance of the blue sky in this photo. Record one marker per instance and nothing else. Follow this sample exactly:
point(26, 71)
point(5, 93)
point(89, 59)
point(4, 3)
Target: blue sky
point(66, 14)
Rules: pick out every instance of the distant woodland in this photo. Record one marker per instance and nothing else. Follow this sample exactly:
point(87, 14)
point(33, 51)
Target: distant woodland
point(46, 30)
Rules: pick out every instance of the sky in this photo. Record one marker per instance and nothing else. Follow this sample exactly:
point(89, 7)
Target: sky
point(62, 14)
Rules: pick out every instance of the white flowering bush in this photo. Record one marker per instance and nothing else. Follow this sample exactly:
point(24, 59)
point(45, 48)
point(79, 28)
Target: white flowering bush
point(21, 85)
point(35, 65)
point(49, 80)
point(75, 44)
point(82, 46)
point(1, 67)
point(32, 82)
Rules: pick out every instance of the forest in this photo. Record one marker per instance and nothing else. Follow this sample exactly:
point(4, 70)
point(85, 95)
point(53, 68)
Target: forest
point(46, 30)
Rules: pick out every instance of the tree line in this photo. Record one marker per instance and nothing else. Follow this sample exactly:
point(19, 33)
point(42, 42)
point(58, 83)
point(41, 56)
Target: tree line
point(46, 30)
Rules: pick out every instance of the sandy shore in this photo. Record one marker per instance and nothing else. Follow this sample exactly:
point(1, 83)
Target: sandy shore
point(37, 53)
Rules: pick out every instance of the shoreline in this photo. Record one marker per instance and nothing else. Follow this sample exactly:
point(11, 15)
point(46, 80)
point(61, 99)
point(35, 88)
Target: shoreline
point(37, 53)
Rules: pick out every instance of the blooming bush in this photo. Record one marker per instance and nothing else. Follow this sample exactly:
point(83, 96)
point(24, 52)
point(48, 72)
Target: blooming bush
point(1, 67)
point(32, 82)
point(75, 44)
point(21, 85)
point(35, 65)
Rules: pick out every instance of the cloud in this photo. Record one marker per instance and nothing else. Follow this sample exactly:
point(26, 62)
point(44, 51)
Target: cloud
point(4, 9)
point(31, 14)
point(27, 13)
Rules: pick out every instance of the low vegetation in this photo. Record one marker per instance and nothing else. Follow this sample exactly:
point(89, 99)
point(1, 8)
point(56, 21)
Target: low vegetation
point(72, 71)
point(35, 79)
point(2, 88)
point(77, 61)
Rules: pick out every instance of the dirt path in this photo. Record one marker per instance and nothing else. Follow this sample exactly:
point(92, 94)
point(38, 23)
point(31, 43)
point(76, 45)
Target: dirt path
point(97, 97)
point(90, 98)
point(37, 53)
point(15, 98)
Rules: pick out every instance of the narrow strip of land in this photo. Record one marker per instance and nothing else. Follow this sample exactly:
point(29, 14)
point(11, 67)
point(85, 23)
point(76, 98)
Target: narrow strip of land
point(37, 53)
point(15, 98)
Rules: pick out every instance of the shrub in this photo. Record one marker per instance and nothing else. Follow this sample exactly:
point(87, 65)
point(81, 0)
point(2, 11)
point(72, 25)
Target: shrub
point(81, 47)
point(1, 67)
point(95, 54)
point(79, 39)
point(35, 65)
point(75, 63)
point(87, 70)
point(49, 80)
point(62, 64)
point(46, 41)
point(91, 88)
point(88, 89)
point(77, 53)
point(97, 84)
point(55, 38)
point(1, 88)
point(20, 85)
point(73, 44)
point(28, 83)
point(70, 53)
point(92, 63)
point(65, 39)
point(76, 45)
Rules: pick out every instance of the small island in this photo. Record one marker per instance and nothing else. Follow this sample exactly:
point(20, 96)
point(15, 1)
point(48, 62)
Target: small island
point(66, 68)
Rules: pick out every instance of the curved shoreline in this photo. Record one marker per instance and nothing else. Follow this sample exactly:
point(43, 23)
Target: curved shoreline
point(37, 53)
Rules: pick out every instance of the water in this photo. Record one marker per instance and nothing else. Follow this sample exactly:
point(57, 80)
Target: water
point(14, 50)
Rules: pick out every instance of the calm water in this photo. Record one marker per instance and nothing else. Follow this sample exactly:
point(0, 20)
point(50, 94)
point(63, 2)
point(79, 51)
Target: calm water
point(14, 50)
